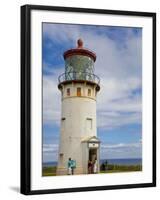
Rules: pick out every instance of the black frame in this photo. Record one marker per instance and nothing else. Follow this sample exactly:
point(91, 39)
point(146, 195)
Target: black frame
point(26, 98)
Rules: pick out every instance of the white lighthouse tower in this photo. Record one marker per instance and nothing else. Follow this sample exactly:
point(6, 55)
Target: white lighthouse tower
point(78, 135)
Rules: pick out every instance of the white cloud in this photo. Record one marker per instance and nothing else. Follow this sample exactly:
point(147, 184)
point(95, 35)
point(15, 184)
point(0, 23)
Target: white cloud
point(50, 152)
point(60, 34)
point(121, 145)
point(51, 98)
point(50, 147)
point(121, 150)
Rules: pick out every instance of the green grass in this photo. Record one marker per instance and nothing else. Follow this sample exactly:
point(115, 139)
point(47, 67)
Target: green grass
point(51, 171)
point(121, 168)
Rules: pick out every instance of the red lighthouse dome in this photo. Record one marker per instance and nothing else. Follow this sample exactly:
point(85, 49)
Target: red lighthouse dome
point(80, 51)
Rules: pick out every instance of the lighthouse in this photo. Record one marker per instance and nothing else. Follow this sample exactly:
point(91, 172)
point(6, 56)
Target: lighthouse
point(78, 131)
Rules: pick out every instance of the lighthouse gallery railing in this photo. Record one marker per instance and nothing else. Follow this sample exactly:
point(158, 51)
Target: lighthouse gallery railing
point(78, 76)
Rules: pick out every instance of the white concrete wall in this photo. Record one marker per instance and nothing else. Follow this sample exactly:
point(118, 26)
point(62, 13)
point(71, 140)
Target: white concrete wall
point(75, 111)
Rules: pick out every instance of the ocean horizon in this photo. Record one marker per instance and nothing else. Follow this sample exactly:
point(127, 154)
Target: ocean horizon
point(118, 161)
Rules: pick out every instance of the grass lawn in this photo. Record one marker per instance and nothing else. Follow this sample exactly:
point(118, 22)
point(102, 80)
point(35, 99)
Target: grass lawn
point(121, 168)
point(51, 171)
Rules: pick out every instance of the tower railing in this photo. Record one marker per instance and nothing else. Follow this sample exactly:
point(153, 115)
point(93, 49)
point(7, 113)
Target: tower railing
point(78, 76)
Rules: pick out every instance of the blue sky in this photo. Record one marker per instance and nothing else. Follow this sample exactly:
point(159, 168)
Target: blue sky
point(119, 102)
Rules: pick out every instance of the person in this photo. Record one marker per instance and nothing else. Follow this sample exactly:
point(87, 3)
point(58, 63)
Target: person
point(89, 167)
point(73, 166)
point(103, 167)
point(69, 166)
point(95, 167)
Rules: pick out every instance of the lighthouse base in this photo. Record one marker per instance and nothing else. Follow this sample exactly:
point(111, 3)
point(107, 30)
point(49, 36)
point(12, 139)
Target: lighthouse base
point(64, 171)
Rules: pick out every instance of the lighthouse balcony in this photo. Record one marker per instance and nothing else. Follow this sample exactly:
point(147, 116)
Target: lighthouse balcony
point(79, 76)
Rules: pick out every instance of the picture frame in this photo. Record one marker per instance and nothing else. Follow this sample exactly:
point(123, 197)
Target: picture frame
point(32, 19)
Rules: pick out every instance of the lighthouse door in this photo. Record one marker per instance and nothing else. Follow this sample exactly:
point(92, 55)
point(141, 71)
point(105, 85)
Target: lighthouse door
point(92, 154)
point(92, 159)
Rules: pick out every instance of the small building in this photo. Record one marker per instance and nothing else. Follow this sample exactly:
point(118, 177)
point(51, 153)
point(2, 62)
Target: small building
point(78, 134)
point(90, 151)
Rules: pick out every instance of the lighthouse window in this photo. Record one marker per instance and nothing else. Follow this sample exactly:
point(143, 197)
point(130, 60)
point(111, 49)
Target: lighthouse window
point(78, 92)
point(89, 92)
point(63, 123)
point(89, 123)
point(68, 91)
point(61, 158)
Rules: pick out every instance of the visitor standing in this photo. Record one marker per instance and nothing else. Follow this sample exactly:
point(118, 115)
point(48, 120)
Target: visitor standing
point(89, 167)
point(95, 167)
point(73, 166)
point(69, 166)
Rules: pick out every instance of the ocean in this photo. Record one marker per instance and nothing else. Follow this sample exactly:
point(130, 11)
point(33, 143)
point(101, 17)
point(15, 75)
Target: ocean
point(122, 161)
